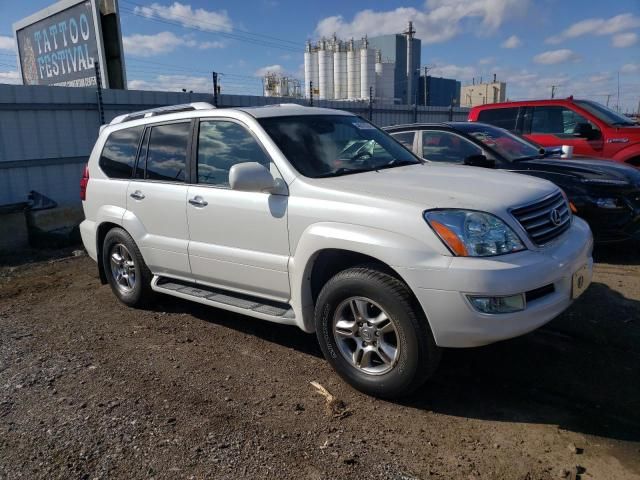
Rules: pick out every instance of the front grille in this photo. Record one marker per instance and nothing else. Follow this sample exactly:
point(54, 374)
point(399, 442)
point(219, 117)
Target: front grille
point(537, 218)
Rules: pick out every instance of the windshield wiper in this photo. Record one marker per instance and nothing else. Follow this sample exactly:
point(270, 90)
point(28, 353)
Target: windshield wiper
point(344, 171)
point(398, 163)
point(618, 124)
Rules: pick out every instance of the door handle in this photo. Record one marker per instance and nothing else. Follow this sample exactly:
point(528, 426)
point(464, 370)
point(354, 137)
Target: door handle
point(138, 195)
point(198, 201)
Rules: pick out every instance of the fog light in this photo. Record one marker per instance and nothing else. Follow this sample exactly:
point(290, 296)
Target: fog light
point(510, 304)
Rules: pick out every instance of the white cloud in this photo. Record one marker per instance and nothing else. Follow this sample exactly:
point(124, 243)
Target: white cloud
point(173, 83)
point(261, 72)
point(163, 42)
point(600, 78)
point(597, 26)
point(487, 61)
point(630, 68)
point(623, 40)
point(12, 77)
point(553, 57)
point(440, 20)
point(7, 43)
point(186, 16)
point(512, 42)
point(462, 73)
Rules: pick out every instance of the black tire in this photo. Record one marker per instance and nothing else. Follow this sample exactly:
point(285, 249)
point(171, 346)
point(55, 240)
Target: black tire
point(418, 355)
point(140, 294)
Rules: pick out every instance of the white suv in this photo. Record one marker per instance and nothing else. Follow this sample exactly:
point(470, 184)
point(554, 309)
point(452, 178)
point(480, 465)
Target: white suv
point(316, 218)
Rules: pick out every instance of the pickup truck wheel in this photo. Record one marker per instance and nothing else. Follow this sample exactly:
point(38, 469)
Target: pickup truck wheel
point(128, 275)
point(373, 334)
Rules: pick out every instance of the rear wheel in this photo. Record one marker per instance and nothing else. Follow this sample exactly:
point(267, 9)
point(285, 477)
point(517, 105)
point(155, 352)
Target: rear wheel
point(127, 274)
point(373, 334)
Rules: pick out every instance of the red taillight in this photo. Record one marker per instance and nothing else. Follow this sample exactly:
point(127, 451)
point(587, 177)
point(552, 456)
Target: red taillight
point(84, 181)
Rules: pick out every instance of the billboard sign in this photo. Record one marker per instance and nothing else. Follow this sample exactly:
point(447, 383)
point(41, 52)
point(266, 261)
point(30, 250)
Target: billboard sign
point(59, 45)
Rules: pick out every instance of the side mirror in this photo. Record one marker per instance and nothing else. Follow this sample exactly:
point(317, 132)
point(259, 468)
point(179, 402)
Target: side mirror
point(251, 177)
point(586, 130)
point(479, 161)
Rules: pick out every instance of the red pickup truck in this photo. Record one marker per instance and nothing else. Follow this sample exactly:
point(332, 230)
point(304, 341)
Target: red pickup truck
point(590, 127)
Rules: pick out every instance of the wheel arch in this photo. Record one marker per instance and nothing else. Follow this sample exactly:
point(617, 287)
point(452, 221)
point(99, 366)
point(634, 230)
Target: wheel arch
point(326, 249)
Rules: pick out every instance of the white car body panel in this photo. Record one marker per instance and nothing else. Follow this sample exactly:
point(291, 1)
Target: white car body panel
point(265, 244)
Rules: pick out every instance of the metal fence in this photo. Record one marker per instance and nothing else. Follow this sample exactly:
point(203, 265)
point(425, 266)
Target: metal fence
point(47, 133)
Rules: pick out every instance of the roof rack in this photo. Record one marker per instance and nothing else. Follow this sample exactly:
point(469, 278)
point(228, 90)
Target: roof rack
point(152, 112)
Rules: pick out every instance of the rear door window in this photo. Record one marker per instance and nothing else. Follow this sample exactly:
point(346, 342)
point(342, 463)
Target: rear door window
point(405, 138)
point(167, 152)
point(500, 117)
point(119, 152)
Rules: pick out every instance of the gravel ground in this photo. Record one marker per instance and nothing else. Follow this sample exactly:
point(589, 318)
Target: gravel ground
point(92, 389)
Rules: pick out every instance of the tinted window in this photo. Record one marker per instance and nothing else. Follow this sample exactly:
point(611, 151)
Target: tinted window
point(221, 145)
point(555, 120)
point(500, 117)
point(167, 152)
point(443, 146)
point(119, 152)
point(405, 138)
point(508, 145)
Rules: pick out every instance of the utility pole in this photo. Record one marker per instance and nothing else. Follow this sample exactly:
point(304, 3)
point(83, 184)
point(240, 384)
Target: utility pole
point(311, 94)
point(553, 91)
point(96, 66)
point(618, 100)
point(371, 104)
point(608, 97)
point(215, 89)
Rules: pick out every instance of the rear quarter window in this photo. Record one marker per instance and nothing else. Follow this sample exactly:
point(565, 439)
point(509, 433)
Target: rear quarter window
point(500, 117)
point(119, 152)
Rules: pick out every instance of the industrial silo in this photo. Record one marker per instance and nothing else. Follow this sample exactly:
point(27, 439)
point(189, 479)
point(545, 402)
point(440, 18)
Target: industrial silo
point(339, 70)
point(367, 69)
point(310, 69)
point(385, 83)
point(353, 71)
point(325, 70)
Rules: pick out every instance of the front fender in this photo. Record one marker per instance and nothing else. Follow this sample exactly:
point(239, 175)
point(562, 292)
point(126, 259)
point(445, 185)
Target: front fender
point(626, 154)
point(391, 248)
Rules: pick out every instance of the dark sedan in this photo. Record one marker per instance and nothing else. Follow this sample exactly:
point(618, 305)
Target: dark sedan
point(605, 193)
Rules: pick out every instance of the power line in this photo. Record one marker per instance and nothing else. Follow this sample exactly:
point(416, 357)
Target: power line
point(253, 41)
point(247, 32)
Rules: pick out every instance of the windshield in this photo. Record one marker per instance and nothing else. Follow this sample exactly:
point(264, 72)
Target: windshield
point(509, 146)
point(331, 145)
point(611, 117)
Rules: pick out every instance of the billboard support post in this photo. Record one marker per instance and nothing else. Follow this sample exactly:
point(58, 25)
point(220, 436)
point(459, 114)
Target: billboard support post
point(96, 66)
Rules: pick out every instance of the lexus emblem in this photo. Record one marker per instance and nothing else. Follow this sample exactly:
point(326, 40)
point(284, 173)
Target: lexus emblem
point(554, 215)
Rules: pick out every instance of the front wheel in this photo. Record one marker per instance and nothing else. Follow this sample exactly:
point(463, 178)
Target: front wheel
point(373, 334)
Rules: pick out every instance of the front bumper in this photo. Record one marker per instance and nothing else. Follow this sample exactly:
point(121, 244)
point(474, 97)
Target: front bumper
point(455, 323)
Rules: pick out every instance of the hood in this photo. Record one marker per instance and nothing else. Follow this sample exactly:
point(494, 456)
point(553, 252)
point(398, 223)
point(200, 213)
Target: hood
point(439, 186)
point(587, 170)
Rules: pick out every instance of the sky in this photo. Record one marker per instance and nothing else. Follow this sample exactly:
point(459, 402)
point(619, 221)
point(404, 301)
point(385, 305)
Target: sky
point(582, 47)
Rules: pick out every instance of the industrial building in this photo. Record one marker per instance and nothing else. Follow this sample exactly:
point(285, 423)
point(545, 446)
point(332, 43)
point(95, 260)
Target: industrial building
point(277, 85)
point(483, 93)
point(438, 91)
point(386, 67)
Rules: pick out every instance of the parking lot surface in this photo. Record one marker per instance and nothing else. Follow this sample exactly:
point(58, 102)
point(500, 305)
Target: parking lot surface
point(92, 389)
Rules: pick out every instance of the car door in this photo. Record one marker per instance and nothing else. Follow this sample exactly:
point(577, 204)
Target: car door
point(407, 139)
point(555, 125)
point(238, 240)
point(157, 196)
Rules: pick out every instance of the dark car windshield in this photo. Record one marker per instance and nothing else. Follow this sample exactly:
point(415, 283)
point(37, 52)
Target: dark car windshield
point(506, 144)
point(610, 117)
point(331, 145)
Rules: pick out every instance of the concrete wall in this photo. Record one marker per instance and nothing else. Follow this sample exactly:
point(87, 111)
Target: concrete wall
point(47, 133)
point(483, 93)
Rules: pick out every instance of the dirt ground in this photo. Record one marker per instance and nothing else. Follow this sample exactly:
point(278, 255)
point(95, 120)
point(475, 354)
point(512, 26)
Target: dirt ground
point(92, 389)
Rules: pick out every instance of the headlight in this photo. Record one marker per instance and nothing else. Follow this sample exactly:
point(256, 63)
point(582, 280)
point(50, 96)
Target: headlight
point(473, 234)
